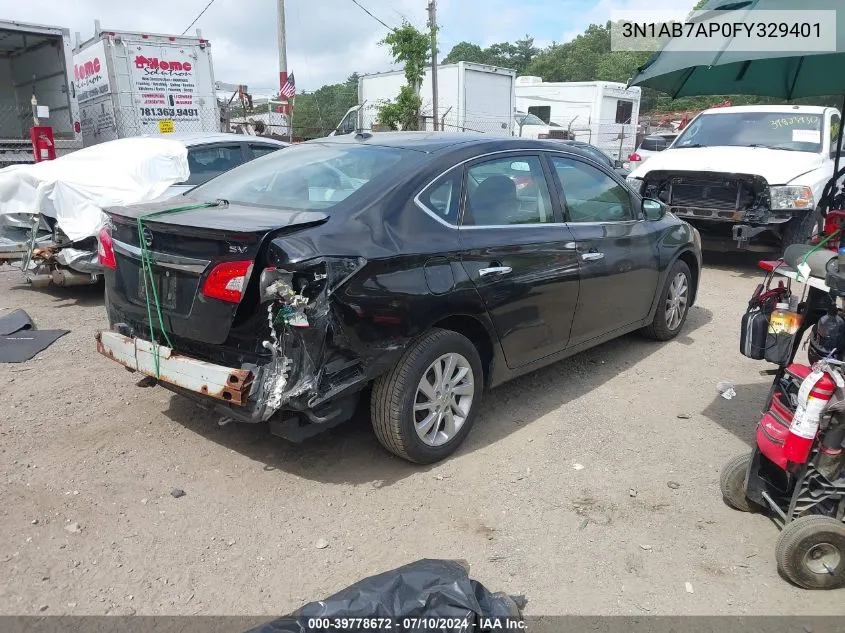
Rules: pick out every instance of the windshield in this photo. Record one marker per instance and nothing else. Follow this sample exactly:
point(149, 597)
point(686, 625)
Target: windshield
point(303, 177)
point(778, 130)
point(528, 119)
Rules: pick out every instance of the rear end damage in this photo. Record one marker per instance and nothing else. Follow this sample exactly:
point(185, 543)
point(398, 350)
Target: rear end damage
point(256, 330)
point(725, 207)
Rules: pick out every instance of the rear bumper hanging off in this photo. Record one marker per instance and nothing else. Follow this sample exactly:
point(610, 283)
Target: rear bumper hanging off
point(222, 383)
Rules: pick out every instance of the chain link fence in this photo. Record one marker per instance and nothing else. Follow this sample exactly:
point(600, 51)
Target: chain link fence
point(103, 122)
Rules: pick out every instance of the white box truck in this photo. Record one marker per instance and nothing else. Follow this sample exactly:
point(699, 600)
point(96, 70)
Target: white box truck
point(130, 84)
point(36, 61)
point(471, 98)
point(602, 113)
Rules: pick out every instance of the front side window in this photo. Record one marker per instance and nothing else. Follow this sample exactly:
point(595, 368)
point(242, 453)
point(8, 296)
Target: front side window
point(775, 130)
point(835, 122)
point(306, 177)
point(590, 195)
point(205, 163)
point(507, 191)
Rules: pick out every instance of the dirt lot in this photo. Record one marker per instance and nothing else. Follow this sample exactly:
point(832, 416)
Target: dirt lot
point(82, 444)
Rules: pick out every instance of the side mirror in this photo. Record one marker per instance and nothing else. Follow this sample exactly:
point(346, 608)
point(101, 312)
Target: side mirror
point(653, 209)
point(618, 164)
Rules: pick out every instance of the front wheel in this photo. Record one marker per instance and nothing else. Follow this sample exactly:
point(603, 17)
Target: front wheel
point(811, 552)
point(425, 406)
point(799, 230)
point(673, 304)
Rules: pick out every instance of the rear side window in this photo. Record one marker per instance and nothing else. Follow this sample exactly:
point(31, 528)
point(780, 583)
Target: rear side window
point(654, 143)
point(507, 191)
point(261, 150)
point(207, 162)
point(442, 197)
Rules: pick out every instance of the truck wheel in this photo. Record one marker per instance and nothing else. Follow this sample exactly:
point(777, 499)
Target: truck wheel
point(811, 552)
point(799, 230)
point(672, 305)
point(732, 484)
point(425, 406)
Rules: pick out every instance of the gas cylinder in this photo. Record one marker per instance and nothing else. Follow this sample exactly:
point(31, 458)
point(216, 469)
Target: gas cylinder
point(813, 396)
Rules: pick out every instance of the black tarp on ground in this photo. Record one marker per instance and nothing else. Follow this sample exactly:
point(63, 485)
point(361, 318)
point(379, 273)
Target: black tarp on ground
point(20, 341)
point(423, 590)
point(14, 322)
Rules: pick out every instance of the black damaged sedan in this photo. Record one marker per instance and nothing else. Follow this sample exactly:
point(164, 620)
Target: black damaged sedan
point(410, 269)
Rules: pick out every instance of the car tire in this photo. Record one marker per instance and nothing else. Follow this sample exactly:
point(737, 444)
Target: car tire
point(732, 484)
point(810, 552)
point(678, 289)
point(799, 230)
point(419, 428)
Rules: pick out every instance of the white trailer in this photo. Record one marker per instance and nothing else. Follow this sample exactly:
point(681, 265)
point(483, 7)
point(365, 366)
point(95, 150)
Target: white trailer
point(36, 61)
point(602, 113)
point(131, 84)
point(471, 98)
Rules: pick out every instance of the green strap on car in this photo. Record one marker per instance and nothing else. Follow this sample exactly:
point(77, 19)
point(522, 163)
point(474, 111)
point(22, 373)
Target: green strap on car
point(149, 280)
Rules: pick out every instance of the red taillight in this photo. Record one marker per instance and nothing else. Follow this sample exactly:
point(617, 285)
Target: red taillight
point(105, 249)
point(76, 127)
point(227, 281)
point(634, 157)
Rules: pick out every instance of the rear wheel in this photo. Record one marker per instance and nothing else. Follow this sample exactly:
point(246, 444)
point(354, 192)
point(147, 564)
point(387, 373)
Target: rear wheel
point(673, 304)
point(732, 484)
point(425, 406)
point(811, 552)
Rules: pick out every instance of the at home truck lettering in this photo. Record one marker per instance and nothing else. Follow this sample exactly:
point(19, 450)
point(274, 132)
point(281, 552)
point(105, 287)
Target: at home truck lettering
point(153, 63)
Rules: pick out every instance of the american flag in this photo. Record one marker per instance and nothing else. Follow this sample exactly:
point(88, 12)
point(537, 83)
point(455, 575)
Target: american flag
point(289, 88)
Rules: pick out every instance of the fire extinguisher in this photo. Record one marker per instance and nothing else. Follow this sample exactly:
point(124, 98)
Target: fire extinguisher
point(813, 397)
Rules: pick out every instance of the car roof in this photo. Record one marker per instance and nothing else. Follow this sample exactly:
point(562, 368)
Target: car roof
point(199, 138)
point(433, 142)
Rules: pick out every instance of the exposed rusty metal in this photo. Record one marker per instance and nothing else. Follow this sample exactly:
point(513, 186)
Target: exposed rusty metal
point(222, 383)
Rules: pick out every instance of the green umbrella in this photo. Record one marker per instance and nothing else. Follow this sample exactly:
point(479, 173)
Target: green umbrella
point(785, 75)
point(772, 74)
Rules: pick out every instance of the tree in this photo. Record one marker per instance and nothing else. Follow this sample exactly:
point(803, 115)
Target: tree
point(318, 113)
point(466, 52)
point(411, 47)
point(517, 56)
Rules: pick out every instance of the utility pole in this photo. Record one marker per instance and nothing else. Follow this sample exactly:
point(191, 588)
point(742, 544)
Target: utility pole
point(283, 65)
point(432, 25)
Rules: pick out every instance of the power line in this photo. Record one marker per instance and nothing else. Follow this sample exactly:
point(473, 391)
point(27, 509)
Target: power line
point(365, 10)
point(198, 17)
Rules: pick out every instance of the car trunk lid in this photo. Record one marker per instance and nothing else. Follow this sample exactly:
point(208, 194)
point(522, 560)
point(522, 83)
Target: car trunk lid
point(188, 249)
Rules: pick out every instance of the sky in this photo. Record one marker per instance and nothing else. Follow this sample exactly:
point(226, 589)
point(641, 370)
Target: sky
point(327, 40)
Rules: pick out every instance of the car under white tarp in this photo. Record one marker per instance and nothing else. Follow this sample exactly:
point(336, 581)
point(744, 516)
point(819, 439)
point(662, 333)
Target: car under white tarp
point(75, 188)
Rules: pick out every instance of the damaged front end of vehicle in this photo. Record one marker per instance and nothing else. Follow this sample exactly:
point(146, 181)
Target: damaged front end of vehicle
point(723, 206)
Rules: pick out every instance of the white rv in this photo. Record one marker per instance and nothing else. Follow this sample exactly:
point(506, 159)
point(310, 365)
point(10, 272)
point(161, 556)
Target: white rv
point(601, 113)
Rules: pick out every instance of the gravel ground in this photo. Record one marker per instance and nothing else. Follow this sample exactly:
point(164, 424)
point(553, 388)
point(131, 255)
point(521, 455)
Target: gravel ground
point(561, 491)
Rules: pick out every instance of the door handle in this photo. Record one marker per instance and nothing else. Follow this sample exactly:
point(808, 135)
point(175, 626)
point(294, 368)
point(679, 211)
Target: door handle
point(591, 257)
point(495, 270)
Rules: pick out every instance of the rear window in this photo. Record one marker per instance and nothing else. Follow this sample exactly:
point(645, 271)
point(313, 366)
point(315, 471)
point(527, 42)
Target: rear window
point(303, 177)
